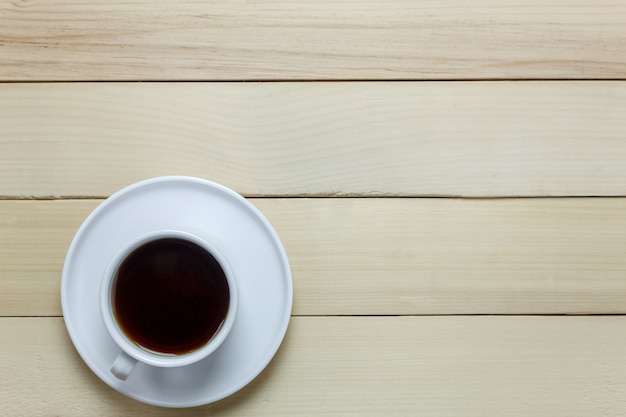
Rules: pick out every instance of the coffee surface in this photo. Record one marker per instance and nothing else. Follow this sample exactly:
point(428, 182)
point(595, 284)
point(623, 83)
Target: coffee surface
point(170, 296)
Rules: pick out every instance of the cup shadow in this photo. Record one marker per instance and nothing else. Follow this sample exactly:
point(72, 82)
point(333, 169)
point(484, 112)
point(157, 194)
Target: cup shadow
point(118, 404)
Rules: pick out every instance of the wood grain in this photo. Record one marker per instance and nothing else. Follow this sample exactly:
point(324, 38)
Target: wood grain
point(383, 256)
point(300, 39)
point(332, 366)
point(478, 139)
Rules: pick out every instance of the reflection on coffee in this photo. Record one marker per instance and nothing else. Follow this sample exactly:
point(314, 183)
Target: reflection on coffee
point(170, 296)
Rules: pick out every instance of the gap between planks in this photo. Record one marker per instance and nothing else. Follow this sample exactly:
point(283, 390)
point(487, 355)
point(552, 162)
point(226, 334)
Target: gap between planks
point(333, 196)
point(320, 80)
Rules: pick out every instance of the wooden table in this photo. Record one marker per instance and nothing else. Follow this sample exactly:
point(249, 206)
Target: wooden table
point(448, 178)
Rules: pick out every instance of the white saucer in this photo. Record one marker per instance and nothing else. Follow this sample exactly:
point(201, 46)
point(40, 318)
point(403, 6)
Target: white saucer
point(245, 238)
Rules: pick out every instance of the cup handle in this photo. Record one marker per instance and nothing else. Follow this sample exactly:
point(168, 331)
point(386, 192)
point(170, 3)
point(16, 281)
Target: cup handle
point(123, 366)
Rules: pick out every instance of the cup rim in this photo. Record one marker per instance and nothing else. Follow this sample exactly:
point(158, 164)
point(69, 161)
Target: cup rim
point(134, 350)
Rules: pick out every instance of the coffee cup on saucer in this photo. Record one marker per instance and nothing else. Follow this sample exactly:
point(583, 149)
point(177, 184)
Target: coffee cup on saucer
point(239, 239)
point(168, 299)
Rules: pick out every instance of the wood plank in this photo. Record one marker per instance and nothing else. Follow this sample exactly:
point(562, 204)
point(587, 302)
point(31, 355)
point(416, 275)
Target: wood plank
point(383, 256)
point(300, 39)
point(34, 239)
point(486, 139)
point(332, 366)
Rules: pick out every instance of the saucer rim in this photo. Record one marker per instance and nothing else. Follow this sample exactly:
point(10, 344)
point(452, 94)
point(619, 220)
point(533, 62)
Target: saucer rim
point(282, 258)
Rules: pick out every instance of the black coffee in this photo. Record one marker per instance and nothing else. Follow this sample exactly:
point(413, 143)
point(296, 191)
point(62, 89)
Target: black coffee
point(170, 296)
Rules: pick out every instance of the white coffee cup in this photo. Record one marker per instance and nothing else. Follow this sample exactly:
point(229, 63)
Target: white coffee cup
point(131, 351)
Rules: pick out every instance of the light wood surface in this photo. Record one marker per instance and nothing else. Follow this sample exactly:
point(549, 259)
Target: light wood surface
point(362, 366)
point(302, 39)
point(383, 256)
point(485, 139)
point(448, 179)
